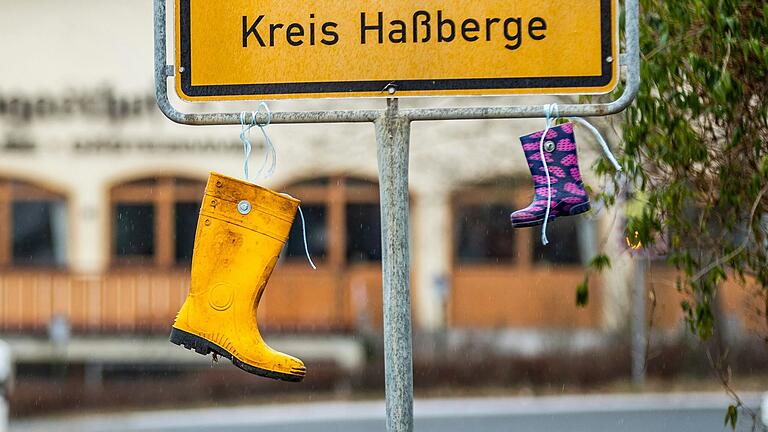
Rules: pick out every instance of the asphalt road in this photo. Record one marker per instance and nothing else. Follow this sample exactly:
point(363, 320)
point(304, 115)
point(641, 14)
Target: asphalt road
point(615, 413)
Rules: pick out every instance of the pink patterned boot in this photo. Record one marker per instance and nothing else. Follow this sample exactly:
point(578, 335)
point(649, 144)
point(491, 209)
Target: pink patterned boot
point(565, 186)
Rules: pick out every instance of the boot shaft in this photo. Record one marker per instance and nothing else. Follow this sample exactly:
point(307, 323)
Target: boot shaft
point(561, 157)
point(249, 206)
point(241, 229)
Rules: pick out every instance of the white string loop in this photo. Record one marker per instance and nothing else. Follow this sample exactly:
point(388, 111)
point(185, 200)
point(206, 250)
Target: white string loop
point(552, 113)
point(267, 169)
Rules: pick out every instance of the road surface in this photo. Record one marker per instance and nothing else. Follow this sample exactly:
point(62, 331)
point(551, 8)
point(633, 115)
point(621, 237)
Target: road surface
point(593, 413)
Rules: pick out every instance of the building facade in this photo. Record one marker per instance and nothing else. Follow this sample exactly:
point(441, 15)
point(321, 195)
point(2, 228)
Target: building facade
point(99, 194)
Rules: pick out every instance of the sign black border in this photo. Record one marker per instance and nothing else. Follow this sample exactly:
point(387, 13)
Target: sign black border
point(341, 87)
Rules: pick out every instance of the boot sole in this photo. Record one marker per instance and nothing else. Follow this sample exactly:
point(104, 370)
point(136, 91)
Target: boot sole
point(582, 208)
point(205, 347)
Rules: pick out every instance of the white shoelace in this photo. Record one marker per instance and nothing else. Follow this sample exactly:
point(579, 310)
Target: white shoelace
point(269, 154)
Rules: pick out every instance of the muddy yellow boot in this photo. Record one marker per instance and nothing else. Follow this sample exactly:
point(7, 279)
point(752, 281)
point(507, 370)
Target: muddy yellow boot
point(241, 230)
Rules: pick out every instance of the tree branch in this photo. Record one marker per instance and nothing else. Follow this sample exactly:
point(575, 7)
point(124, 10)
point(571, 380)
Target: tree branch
point(741, 247)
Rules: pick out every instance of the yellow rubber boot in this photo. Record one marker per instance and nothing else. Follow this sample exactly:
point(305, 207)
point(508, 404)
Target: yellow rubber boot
point(241, 230)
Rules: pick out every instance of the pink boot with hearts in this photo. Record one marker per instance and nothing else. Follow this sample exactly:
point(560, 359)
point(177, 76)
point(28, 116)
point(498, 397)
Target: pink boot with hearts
point(565, 186)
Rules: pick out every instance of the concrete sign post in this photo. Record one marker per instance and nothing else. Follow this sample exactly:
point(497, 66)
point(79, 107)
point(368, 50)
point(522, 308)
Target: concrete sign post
point(243, 49)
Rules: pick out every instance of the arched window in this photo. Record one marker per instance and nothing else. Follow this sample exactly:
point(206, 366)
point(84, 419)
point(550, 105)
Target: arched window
point(33, 224)
point(154, 221)
point(483, 234)
point(343, 222)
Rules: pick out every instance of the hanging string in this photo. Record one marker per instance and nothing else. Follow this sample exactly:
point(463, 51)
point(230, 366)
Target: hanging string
point(269, 164)
point(600, 140)
point(267, 169)
point(271, 153)
point(608, 154)
point(246, 142)
point(306, 245)
point(550, 120)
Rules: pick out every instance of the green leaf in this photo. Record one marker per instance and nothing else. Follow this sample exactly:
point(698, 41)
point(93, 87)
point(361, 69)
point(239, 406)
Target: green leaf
point(582, 293)
point(600, 262)
point(731, 417)
point(686, 306)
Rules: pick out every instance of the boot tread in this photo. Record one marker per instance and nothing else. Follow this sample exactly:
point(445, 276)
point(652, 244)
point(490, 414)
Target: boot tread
point(205, 347)
point(576, 210)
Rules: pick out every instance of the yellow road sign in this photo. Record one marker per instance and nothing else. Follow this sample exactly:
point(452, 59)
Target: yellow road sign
point(269, 49)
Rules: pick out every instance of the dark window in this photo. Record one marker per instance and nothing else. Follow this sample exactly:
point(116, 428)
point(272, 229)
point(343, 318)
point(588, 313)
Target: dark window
point(564, 243)
point(317, 233)
point(32, 226)
point(33, 233)
point(485, 234)
point(343, 222)
point(186, 226)
point(363, 233)
point(134, 230)
point(155, 221)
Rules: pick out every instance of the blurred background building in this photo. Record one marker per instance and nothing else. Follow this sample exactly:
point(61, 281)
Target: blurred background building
point(99, 195)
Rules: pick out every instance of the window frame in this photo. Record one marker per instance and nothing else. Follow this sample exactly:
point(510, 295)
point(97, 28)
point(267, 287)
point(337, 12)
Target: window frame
point(16, 190)
point(517, 193)
point(335, 194)
point(163, 193)
point(490, 194)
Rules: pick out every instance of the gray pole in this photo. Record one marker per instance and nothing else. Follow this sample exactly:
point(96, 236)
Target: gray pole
point(639, 333)
point(392, 136)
